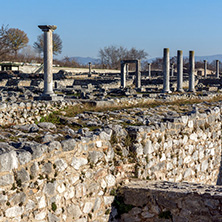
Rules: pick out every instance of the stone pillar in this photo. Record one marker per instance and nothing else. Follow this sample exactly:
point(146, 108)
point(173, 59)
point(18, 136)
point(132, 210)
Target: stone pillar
point(123, 74)
point(89, 75)
point(127, 69)
point(138, 74)
point(205, 68)
point(166, 70)
point(191, 71)
point(172, 69)
point(149, 70)
point(179, 70)
point(217, 69)
point(48, 93)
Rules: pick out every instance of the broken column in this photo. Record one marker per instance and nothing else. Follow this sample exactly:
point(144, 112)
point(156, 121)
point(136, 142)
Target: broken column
point(149, 70)
point(123, 74)
point(166, 70)
point(89, 75)
point(48, 93)
point(179, 70)
point(191, 71)
point(217, 69)
point(172, 69)
point(205, 68)
point(138, 74)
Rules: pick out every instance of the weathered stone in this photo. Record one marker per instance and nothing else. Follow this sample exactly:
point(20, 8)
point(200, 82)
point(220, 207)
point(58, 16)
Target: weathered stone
point(87, 207)
point(22, 175)
point(47, 126)
point(52, 217)
point(110, 180)
point(60, 164)
point(47, 168)
point(24, 156)
point(14, 211)
point(68, 145)
point(78, 162)
point(74, 211)
point(34, 169)
point(6, 180)
point(36, 150)
point(41, 215)
point(8, 161)
point(49, 188)
point(95, 156)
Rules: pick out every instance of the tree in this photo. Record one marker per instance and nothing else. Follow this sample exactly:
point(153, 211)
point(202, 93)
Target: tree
point(4, 42)
point(56, 41)
point(17, 39)
point(111, 56)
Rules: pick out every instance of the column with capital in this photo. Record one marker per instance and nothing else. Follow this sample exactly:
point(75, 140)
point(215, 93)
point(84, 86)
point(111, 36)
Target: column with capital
point(48, 93)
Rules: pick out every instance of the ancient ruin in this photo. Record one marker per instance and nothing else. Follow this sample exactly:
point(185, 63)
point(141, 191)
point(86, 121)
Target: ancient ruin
point(104, 146)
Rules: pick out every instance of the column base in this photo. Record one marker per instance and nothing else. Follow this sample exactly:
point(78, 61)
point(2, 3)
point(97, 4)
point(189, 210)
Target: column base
point(180, 90)
point(166, 91)
point(192, 90)
point(49, 97)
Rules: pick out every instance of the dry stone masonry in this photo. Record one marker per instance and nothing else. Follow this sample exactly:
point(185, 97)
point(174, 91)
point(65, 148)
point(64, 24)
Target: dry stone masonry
point(59, 174)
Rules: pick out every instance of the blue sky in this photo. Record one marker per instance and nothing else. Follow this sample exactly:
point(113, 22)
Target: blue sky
point(85, 26)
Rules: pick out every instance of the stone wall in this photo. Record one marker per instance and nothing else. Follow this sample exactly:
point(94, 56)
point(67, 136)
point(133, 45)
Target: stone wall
point(76, 179)
point(28, 112)
point(166, 201)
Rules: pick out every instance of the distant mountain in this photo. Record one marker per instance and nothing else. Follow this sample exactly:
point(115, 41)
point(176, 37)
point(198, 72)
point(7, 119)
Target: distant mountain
point(209, 59)
point(85, 60)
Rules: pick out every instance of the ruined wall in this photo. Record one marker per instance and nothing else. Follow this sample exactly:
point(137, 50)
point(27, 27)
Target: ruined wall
point(76, 179)
point(166, 201)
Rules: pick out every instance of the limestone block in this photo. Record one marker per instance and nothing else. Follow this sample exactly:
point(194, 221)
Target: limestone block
point(49, 189)
point(40, 215)
point(47, 126)
point(97, 204)
point(87, 207)
point(23, 175)
point(30, 205)
point(110, 180)
point(8, 161)
point(148, 148)
point(78, 162)
point(61, 165)
point(14, 211)
point(74, 211)
point(24, 156)
point(68, 145)
point(52, 217)
point(95, 156)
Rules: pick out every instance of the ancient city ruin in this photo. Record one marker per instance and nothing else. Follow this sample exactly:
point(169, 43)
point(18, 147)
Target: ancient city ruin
point(110, 145)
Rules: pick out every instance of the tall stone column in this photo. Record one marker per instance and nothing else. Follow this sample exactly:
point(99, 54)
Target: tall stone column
point(191, 71)
point(205, 68)
point(123, 74)
point(179, 70)
point(138, 74)
point(166, 70)
point(149, 70)
point(172, 69)
point(217, 69)
point(48, 93)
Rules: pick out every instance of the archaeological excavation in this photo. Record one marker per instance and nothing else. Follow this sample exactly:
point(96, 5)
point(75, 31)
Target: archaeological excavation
point(111, 145)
